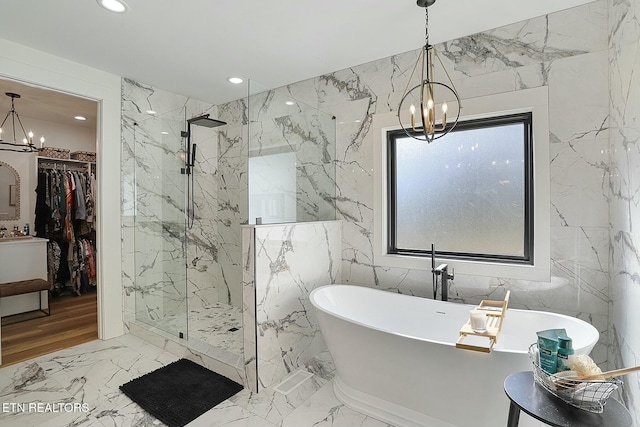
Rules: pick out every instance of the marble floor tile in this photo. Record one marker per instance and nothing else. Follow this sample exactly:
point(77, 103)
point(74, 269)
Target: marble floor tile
point(228, 414)
point(89, 375)
point(274, 406)
point(324, 409)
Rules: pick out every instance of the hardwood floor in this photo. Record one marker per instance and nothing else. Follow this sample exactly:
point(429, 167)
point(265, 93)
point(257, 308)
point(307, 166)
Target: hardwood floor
point(73, 321)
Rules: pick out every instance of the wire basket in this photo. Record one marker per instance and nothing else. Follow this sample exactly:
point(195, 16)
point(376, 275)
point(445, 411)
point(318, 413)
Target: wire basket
point(586, 395)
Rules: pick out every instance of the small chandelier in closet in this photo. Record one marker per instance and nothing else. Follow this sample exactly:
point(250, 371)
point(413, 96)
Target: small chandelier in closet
point(424, 97)
point(13, 119)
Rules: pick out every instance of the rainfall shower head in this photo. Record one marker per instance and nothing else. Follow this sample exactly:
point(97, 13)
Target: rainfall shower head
point(205, 121)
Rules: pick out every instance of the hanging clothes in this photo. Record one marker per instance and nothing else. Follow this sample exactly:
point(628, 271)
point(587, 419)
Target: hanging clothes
point(53, 262)
point(42, 208)
point(81, 210)
point(65, 214)
point(88, 196)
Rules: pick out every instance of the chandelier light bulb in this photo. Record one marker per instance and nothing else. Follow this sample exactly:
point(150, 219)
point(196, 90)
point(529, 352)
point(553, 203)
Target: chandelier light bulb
point(24, 141)
point(412, 109)
point(429, 104)
point(445, 107)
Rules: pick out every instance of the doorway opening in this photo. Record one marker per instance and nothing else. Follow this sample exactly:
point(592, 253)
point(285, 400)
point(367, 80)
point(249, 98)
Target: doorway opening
point(58, 196)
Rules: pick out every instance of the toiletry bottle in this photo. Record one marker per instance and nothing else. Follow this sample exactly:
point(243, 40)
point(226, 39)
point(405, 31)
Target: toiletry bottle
point(548, 350)
point(26, 229)
point(565, 349)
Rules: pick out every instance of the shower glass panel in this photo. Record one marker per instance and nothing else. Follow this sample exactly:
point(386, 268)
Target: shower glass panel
point(161, 282)
point(292, 149)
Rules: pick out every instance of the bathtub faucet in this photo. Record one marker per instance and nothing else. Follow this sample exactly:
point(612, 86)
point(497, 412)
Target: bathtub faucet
point(443, 271)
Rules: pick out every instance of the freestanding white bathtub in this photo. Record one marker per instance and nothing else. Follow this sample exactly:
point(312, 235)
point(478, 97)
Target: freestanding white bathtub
point(396, 358)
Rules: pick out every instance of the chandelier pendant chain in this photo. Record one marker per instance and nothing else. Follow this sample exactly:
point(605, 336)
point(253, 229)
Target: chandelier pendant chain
point(426, 26)
point(428, 114)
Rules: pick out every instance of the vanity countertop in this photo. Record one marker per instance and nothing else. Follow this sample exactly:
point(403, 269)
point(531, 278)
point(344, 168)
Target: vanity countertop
point(22, 240)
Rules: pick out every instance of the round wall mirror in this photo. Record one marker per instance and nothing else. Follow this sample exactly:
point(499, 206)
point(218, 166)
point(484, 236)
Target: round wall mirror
point(9, 193)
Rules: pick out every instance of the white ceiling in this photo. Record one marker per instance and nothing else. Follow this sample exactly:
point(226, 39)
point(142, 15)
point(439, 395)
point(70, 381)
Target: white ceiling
point(190, 47)
point(47, 105)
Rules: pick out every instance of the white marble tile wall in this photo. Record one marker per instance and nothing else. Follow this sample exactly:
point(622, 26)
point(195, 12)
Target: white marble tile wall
point(289, 262)
point(624, 107)
point(232, 207)
point(566, 51)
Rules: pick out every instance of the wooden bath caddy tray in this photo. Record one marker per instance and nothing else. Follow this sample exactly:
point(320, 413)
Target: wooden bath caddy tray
point(496, 311)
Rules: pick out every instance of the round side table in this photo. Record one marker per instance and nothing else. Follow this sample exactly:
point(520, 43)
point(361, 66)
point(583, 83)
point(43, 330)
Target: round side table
point(531, 398)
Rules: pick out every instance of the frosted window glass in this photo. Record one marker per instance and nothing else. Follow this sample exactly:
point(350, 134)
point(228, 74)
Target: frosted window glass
point(464, 192)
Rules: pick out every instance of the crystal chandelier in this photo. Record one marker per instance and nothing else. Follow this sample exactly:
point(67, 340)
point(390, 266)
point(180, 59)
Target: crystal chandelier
point(27, 145)
point(422, 99)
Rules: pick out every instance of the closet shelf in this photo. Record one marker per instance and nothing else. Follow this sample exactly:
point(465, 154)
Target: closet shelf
point(71, 164)
point(71, 161)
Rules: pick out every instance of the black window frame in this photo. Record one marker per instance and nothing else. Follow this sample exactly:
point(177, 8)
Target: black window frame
point(525, 118)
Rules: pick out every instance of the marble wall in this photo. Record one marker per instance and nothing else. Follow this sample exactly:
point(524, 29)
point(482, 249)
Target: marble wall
point(282, 265)
point(566, 51)
point(624, 107)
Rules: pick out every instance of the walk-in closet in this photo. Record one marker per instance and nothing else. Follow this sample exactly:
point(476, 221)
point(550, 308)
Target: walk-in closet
point(48, 239)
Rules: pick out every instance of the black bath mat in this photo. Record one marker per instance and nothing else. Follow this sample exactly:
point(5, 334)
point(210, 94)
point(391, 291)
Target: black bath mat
point(180, 392)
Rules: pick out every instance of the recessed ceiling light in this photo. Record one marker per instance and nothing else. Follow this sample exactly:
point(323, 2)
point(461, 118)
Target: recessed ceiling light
point(82, 118)
point(164, 132)
point(235, 80)
point(151, 112)
point(290, 103)
point(117, 6)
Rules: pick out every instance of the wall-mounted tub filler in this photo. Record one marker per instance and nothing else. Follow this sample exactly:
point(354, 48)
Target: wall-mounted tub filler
point(443, 271)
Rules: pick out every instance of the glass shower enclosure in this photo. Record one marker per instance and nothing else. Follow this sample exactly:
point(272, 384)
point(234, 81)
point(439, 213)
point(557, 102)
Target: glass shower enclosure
point(159, 225)
point(291, 164)
point(273, 160)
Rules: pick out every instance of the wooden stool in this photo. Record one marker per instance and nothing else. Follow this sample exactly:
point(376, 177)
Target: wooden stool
point(26, 287)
